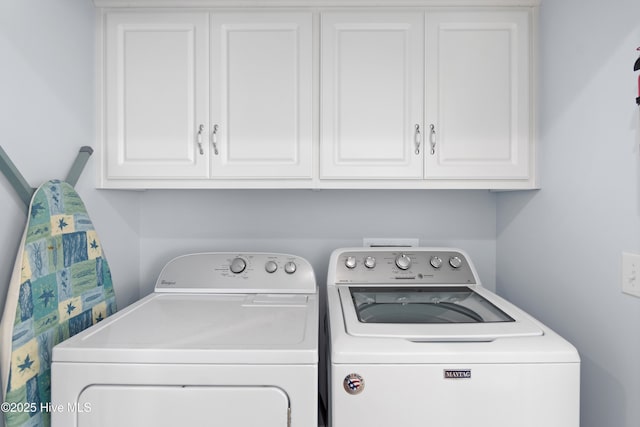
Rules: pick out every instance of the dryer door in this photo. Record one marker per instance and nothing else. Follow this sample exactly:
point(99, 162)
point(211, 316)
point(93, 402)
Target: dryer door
point(170, 406)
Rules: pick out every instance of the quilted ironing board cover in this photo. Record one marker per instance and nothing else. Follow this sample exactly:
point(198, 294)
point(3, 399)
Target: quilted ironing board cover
point(61, 284)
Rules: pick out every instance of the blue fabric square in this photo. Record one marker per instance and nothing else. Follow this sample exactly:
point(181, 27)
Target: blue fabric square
point(74, 246)
point(25, 302)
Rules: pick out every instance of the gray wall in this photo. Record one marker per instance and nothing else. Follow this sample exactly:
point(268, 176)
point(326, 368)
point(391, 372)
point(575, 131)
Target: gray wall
point(47, 112)
point(556, 252)
point(559, 249)
point(311, 223)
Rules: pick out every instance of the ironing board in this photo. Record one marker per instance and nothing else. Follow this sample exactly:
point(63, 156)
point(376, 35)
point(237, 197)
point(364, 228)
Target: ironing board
point(61, 284)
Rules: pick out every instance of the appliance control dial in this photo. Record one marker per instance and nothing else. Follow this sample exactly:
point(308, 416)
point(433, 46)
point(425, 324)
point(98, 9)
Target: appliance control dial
point(271, 266)
point(419, 266)
point(403, 262)
point(435, 261)
point(290, 267)
point(238, 265)
point(350, 262)
point(369, 262)
point(455, 261)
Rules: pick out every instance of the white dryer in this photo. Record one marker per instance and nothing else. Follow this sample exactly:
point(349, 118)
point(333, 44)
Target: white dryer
point(416, 340)
point(226, 339)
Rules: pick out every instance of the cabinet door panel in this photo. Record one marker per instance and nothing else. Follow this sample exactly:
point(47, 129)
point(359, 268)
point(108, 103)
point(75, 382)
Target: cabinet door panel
point(262, 95)
point(371, 95)
point(477, 94)
point(155, 94)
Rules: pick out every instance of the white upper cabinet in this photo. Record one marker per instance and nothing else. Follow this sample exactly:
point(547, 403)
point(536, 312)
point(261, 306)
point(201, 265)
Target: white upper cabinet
point(155, 95)
point(158, 69)
point(412, 94)
point(371, 95)
point(261, 87)
point(478, 95)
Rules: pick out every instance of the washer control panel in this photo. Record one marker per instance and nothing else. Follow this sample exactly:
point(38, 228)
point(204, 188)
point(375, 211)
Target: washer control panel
point(237, 272)
point(404, 266)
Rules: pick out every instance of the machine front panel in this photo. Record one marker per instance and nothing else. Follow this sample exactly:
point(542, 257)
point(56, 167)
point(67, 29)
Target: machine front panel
point(479, 395)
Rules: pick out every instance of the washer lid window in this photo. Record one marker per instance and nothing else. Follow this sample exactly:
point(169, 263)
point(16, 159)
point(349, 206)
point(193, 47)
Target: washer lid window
point(457, 304)
point(412, 313)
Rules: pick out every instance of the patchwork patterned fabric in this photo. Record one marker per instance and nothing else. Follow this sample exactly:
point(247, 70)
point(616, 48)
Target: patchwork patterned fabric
point(60, 286)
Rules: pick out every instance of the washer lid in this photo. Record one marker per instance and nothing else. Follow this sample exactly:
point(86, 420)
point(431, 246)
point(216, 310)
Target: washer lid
point(430, 313)
point(202, 328)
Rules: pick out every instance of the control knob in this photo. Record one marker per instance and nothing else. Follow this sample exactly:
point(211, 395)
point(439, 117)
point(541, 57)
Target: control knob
point(238, 265)
point(271, 266)
point(403, 262)
point(369, 262)
point(455, 262)
point(350, 262)
point(290, 267)
point(435, 261)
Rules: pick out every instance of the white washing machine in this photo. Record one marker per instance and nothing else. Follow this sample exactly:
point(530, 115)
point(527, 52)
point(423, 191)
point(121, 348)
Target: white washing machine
point(226, 339)
point(415, 340)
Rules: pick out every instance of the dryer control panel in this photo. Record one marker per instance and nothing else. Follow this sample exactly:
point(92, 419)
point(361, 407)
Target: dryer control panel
point(404, 266)
point(233, 272)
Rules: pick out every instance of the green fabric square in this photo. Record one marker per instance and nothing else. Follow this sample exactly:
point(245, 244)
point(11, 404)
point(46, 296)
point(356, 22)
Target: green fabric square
point(45, 295)
point(83, 277)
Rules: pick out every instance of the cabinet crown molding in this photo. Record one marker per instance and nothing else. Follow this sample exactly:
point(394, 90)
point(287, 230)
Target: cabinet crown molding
point(314, 3)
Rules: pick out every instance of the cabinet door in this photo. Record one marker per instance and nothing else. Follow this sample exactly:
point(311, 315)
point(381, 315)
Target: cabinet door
point(371, 95)
point(478, 94)
point(156, 93)
point(261, 105)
